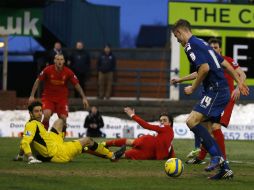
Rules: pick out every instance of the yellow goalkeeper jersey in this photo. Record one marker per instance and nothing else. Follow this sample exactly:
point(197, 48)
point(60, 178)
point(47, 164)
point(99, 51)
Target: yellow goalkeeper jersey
point(36, 136)
point(48, 145)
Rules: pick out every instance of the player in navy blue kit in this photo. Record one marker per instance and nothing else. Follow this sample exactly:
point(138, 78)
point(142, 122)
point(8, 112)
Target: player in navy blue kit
point(215, 95)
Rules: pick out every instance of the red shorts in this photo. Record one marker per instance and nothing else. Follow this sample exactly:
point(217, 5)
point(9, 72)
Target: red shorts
point(225, 117)
point(61, 107)
point(143, 148)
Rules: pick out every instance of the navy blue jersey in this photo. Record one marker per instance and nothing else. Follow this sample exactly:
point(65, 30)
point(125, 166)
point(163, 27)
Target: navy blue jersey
point(199, 52)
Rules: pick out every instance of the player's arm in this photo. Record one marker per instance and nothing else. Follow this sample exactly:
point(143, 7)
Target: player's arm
point(242, 87)
point(189, 77)
point(201, 74)
point(82, 94)
point(28, 136)
point(131, 113)
point(34, 89)
point(236, 93)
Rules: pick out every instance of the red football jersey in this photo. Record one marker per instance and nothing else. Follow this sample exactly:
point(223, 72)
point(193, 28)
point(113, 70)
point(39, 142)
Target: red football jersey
point(164, 137)
point(230, 80)
point(55, 83)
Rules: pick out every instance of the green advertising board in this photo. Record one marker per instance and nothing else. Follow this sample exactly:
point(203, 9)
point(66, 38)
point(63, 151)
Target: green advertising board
point(237, 38)
point(25, 22)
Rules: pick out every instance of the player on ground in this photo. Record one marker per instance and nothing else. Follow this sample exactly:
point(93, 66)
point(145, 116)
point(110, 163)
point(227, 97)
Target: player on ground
point(55, 92)
point(226, 115)
point(148, 147)
point(50, 146)
point(215, 95)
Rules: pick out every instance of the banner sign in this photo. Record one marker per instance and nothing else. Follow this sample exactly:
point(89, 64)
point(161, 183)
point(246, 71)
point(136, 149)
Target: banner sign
point(212, 14)
point(235, 44)
point(12, 125)
point(25, 22)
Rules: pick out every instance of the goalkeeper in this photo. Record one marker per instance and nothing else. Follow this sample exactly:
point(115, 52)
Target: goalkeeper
point(50, 146)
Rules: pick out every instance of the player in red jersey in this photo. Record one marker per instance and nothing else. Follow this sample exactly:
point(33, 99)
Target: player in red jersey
point(148, 147)
point(55, 92)
point(226, 115)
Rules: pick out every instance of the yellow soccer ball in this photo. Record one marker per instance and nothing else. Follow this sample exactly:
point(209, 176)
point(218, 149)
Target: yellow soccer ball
point(174, 167)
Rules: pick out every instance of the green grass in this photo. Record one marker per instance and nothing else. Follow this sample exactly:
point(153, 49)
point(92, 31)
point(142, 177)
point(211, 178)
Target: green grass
point(87, 172)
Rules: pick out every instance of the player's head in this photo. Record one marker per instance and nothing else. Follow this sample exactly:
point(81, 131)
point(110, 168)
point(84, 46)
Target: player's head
point(166, 119)
point(59, 61)
point(215, 43)
point(35, 110)
point(182, 31)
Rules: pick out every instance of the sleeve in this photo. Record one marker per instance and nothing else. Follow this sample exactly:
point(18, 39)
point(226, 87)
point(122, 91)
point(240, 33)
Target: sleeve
point(234, 64)
point(43, 74)
point(146, 125)
point(196, 54)
point(200, 52)
point(28, 137)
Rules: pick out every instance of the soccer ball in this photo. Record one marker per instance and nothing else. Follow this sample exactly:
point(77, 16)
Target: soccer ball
point(174, 167)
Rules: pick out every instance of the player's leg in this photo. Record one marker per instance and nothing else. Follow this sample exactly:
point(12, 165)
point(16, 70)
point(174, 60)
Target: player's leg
point(144, 148)
point(46, 116)
point(193, 122)
point(119, 142)
point(64, 117)
point(101, 149)
point(199, 158)
point(48, 108)
point(196, 149)
point(219, 137)
point(207, 140)
point(58, 127)
point(199, 149)
point(216, 128)
point(62, 112)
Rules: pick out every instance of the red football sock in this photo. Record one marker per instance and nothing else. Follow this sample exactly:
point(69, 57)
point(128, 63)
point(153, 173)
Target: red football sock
point(116, 142)
point(46, 124)
point(202, 153)
point(219, 137)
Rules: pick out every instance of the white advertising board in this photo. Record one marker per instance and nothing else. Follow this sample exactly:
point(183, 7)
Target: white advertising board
point(12, 125)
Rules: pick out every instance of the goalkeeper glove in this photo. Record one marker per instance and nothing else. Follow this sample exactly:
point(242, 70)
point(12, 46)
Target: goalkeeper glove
point(33, 160)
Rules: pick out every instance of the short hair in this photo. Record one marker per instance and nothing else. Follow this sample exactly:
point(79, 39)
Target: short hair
point(170, 118)
point(214, 41)
point(181, 23)
point(59, 54)
point(34, 104)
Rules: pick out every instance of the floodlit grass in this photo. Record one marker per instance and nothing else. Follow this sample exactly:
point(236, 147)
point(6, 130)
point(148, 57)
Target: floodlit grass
point(87, 172)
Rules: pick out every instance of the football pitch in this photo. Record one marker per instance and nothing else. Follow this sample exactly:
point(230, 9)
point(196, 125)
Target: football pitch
point(88, 172)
